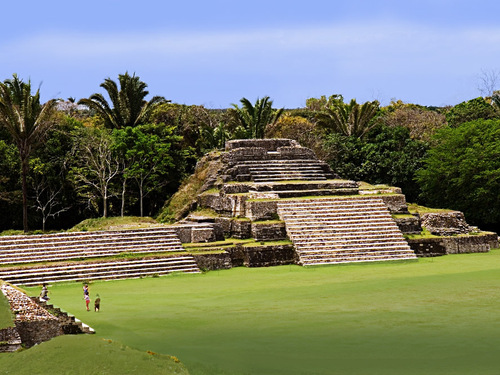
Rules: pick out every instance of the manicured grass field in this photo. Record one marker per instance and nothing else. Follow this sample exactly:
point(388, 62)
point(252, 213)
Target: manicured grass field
point(431, 316)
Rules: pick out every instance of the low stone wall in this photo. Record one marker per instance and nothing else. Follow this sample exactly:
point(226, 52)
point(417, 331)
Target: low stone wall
point(396, 203)
point(211, 262)
point(409, 225)
point(35, 332)
point(445, 223)
point(265, 231)
point(437, 246)
point(271, 144)
point(10, 341)
point(262, 256)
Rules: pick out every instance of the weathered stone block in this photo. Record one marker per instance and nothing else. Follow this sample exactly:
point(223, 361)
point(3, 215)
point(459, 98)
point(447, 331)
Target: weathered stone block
point(261, 210)
point(445, 223)
point(409, 225)
point(241, 228)
point(210, 262)
point(268, 231)
point(396, 203)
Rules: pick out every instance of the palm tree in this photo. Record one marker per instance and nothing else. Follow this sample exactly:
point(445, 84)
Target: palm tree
point(27, 121)
point(128, 105)
point(351, 119)
point(255, 118)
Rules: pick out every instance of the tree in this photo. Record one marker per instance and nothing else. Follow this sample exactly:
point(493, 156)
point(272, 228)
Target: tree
point(94, 167)
point(27, 121)
point(128, 106)
point(254, 118)
point(488, 81)
point(471, 110)
point(148, 156)
point(422, 122)
point(462, 171)
point(386, 155)
point(351, 119)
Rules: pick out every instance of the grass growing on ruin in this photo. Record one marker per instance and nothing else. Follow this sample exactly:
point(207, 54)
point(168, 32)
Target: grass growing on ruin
point(432, 316)
point(6, 318)
point(115, 223)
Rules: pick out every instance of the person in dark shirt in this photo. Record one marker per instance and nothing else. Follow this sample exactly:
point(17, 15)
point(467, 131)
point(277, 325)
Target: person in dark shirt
point(97, 303)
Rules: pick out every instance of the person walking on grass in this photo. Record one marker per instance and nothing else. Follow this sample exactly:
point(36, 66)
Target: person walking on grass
point(87, 301)
point(97, 303)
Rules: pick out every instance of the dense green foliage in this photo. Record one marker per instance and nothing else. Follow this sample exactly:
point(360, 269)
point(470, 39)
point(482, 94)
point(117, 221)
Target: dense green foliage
point(128, 106)
point(471, 110)
point(463, 171)
point(254, 118)
point(27, 121)
point(351, 119)
point(386, 155)
point(432, 316)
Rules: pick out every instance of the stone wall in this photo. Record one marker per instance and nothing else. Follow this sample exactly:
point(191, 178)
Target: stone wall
point(436, 246)
point(409, 225)
point(445, 223)
point(211, 262)
point(262, 256)
point(269, 231)
point(35, 332)
point(261, 210)
point(266, 144)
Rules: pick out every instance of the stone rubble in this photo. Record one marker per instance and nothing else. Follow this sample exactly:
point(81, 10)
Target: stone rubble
point(25, 309)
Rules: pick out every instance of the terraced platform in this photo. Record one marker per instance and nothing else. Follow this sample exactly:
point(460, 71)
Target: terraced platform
point(343, 229)
point(67, 252)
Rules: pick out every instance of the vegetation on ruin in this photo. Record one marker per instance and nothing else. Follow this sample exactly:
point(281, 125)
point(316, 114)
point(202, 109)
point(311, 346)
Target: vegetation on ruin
point(433, 316)
point(6, 317)
point(114, 223)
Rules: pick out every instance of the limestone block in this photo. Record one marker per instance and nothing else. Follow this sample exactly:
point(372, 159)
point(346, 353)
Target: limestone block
point(396, 203)
point(202, 234)
point(445, 223)
point(261, 210)
point(269, 231)
point(241, 229)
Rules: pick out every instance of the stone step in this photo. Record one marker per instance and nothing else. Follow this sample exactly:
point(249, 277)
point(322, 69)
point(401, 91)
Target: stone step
point(56, 240)
point(360, 259)
point(64, 255)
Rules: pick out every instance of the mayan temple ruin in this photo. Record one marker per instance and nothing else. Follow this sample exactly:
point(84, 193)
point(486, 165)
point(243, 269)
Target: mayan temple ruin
point(259, 203)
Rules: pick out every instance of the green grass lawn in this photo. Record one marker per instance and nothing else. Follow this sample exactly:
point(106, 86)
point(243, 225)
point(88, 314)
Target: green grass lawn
point(5, 314)
point(432, 316)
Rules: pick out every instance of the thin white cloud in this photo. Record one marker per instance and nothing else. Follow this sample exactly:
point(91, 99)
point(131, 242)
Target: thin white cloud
point(346, 38)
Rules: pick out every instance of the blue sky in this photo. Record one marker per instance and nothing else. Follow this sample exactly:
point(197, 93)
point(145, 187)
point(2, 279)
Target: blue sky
point(216, 52)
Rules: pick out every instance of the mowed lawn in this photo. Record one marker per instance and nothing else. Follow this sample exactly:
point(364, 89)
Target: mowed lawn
point(431, 316)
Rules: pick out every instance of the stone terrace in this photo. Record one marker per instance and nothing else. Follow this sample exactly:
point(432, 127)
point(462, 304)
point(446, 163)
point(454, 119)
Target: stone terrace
point(66, 251)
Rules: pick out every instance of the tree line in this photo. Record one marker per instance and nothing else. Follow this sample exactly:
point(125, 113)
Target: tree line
point(119, 154)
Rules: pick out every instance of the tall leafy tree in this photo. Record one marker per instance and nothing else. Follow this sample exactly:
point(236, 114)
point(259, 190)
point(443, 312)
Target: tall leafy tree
point(462, 171)
point(127, 106)
point(254, 118)
point(27, 121)
point(351, 119)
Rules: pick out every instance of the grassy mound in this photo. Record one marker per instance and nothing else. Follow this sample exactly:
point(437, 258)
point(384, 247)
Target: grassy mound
point(433, 316)
point(114, 223)
point(85, 354)
point(202, 179)
point(6, 318)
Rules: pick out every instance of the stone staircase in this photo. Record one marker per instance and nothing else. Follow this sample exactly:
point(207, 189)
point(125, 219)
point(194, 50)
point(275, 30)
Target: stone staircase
point(343, 230)
point(281, 170)
point(69, 324)
point(116, 269)
point(67, 253)
point(71, 245)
